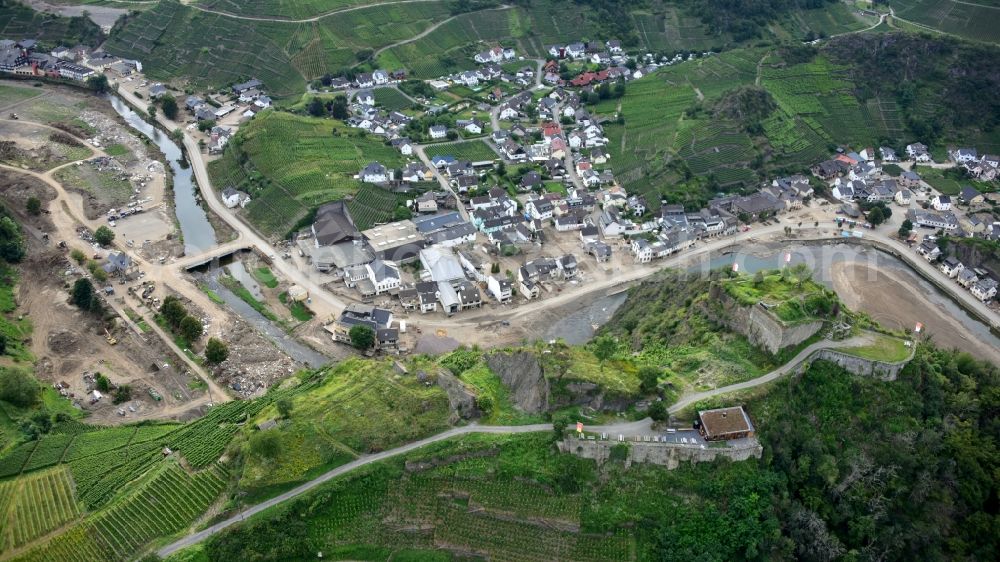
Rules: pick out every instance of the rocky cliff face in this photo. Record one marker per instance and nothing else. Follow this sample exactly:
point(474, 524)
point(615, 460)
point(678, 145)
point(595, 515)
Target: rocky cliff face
point(760, 326)
point(521, 372)
point(974, 255)
point(460, 398)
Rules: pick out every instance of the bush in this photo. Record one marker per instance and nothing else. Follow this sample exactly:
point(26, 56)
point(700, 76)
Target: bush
point(104, 235)
point(78, 256)
point(169, 106)
point(83, 296)
point(658, 411)
point(102, 382)
point(216, 351)
point(12, 246)
point(18, 386)
point(266, 444)
point(191, 329)
point(122, 394)
point(362, 337)
point(33, 206)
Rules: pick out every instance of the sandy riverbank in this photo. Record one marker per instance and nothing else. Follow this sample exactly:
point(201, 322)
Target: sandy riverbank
point(897, 303)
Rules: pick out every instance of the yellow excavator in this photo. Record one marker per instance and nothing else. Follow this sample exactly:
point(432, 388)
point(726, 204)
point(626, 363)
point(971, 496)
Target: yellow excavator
point(111, 339)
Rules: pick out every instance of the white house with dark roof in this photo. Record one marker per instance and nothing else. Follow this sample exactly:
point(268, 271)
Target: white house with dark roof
point(941, 203)
point(951, 267)
point(438, 132)
point(375, 173)
point(918, 152)
point(984, 289)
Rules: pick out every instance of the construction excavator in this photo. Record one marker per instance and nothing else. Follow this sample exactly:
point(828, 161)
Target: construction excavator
point(111, 339)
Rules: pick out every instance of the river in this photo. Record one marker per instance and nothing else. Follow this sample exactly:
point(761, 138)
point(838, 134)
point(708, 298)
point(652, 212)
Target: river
point(197, 231)
point(865, 279)
point(199, 236)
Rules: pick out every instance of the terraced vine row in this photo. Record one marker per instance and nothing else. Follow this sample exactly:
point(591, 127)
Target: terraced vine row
point(167, 502)
point(34, 505)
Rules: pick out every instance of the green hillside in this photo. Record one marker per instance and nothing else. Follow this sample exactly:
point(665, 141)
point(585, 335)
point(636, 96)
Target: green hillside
point(851, 463)
point(682, 140)
point(970, 20)
point(18, 21)
point(276, 41)
point(291, 164)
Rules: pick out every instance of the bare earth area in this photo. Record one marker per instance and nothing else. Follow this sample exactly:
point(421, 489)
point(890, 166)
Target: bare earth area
point(897, 303)
point(69, 345)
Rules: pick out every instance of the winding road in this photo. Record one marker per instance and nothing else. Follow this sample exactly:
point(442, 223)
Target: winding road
point(628, 429)
point(639, 427)
point(689, 399)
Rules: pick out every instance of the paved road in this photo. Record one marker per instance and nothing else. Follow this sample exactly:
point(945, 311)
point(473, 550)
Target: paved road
point(689, 399)
point(639, 427)
point(421, 151)
point(324, 303)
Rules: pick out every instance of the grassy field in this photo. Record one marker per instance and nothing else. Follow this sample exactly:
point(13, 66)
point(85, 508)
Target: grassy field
point(789, 294)
point(11, 94)
point(883, 348)
point(473, 151)
point(294, 164)
point(972, 20)
point(391, 99)
point(358, 407)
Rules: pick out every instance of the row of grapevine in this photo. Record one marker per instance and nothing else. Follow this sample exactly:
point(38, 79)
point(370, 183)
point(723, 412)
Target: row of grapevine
point(37, 504)
point(167, 503)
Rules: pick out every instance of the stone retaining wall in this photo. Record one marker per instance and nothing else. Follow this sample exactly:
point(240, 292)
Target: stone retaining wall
point(669, 455)
point(760, 326)
point(860, 366)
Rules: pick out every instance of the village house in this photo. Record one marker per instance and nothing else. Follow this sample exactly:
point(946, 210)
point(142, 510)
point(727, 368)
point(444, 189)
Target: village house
point(359, 315)
point(903, 197)
point(929, 250)
point(598, 249)
point(233, 198)
point(970, 196)
point(437, 132)
point(963, 155)
point(918, 152)
point(967, 277)
point(909, 179)
point(375, 173)
point(941, 203)
point(500, 288)
point(944, 220)
point(951, 267)
point(984, 289)
point(383, 276)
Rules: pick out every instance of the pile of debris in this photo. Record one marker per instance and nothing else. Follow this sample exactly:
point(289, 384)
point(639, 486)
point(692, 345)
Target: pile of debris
point(254, 363)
